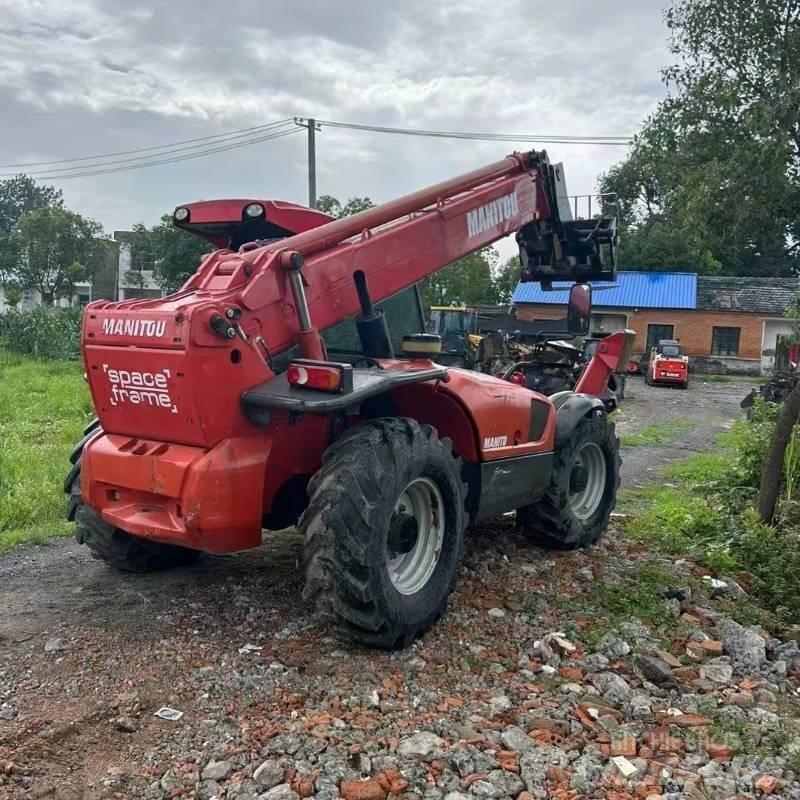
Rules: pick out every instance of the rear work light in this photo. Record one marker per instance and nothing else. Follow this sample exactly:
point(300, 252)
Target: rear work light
point(324, 376)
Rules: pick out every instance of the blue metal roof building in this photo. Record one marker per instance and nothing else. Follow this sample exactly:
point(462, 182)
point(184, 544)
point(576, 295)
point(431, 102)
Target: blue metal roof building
point(630, 290)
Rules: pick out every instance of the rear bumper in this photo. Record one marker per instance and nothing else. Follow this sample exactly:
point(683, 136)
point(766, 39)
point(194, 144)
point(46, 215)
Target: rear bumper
point(204, 499)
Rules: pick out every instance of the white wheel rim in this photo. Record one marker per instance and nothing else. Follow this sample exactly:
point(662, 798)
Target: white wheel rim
point(584, 502)
point(410, 571)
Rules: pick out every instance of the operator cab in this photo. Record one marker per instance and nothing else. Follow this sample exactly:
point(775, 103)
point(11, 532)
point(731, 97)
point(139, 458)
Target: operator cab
point(670, 348)
point(233, 223)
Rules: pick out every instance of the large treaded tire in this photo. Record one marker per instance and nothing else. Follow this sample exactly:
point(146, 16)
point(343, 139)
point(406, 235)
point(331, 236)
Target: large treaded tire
point(110, 544)
point(352, 500)
point(551, 522)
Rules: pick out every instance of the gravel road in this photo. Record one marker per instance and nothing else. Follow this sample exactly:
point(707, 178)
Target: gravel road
point(487, 705)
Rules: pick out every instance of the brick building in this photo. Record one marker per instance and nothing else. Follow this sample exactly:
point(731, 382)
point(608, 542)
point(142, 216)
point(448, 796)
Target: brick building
point(724, 324)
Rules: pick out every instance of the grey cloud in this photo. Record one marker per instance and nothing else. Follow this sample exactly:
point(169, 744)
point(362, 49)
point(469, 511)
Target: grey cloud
point(95, 76)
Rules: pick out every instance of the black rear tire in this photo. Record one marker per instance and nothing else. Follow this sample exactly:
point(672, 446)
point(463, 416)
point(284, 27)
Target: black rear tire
point(353, 510)
point(553, 521)
point(110, 544)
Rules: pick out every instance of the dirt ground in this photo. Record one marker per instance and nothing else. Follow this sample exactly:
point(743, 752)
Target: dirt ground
point(87, 655)
point(711, 407)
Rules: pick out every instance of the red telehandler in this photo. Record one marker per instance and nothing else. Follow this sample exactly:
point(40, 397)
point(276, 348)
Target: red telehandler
point(270, 391)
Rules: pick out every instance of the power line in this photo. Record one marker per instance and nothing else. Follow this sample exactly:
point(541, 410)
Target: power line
point(233, 139)
point(239, 132)
point(617, 141)
point(187, 157)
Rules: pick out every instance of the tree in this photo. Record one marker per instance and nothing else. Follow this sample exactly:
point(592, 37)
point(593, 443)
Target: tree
point(172, 254)
point(713, 180)
point(465, 282)
point(330, 205)
point(53, 249)
point(505, 280)
point(21, 194)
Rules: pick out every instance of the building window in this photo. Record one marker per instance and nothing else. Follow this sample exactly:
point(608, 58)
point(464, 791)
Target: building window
point(655, 333)
point(725, 341)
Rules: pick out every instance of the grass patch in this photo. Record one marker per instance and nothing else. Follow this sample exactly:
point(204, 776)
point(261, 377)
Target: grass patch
point(701, 468)
point(44, 406)
point(660, 433)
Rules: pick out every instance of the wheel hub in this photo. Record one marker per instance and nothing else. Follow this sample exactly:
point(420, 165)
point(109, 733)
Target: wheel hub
point(415, 536)
point(403, 533)
point(578, 479)
point(587, 481)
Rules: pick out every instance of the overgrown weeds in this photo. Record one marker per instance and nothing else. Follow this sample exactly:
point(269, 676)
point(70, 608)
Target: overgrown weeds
point(44, 406)
point(706, 511)
point(42, 332)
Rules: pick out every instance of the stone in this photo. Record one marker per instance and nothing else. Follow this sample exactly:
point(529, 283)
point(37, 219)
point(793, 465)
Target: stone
point(586, 770)
point(268, 774)
point(614, 688)
point(457, 796)
point(746, 647)
point(721, 752)
point(126, 724)
point(508, 783)
point(717, 672)
point(483, 788)
point(55, 646)
point(369, 789)
point(420, 745)
point(534, 765)
point(626, 746)
point(711, 647)
point(654, 669)
point(613, 646)
point(669, 659)
point(625, 767)
point(766, 784)
point(496, 613)
point(515, 738)
point(217, 770)
point(500, 703)
point(718, 784)
point(282, 791)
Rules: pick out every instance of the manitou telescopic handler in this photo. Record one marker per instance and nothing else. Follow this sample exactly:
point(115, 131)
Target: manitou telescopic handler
point(270, 391)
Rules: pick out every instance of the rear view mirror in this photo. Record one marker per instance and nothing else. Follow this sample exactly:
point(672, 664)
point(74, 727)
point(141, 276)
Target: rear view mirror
point(579, 309)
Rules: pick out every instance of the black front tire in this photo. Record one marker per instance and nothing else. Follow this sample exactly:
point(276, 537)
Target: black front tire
point(346, 529)
point(552, 521)
point(110, 544)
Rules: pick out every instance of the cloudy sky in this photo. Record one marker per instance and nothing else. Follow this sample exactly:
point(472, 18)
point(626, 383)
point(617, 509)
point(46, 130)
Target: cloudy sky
point(83, 77)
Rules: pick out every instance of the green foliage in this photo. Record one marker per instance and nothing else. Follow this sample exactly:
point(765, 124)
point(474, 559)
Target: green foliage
point(21, 194)
point(44, 406)
point(505, 280)
point(172, 254)
point(701, 468)
point(713, 180)
point(43, 332)
point(328, 204)
point(466, 282)
point(659, 433)
point(50, 249)
point(710, 516)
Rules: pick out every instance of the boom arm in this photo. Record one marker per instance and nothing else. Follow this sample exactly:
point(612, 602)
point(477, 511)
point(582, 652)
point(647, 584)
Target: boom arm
point(396, 245)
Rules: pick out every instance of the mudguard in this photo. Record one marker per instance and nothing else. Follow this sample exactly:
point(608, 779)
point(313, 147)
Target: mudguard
point(571, 408)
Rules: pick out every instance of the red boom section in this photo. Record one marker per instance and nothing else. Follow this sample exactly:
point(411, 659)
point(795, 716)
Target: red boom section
point(158, 370)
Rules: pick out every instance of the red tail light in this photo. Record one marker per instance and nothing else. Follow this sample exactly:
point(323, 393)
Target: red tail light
point(324, 376)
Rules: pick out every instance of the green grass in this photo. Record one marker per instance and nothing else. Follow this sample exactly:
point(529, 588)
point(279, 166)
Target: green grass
point(44, 406)
point(660, 433)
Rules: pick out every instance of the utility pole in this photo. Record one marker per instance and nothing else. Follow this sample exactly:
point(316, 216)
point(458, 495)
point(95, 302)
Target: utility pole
point(312, 164)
